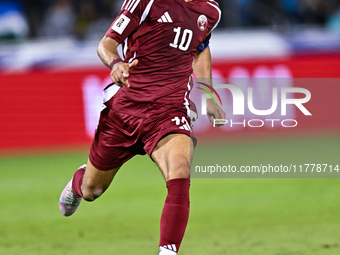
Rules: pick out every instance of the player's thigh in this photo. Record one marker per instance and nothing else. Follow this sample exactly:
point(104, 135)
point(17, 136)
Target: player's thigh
point(95, 181)
point(173, 155)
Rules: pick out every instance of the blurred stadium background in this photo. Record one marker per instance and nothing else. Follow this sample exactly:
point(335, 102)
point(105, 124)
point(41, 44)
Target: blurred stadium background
point(50, 96)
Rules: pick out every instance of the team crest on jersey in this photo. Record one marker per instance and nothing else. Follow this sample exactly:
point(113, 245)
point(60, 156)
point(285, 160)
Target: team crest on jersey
point(202, 22)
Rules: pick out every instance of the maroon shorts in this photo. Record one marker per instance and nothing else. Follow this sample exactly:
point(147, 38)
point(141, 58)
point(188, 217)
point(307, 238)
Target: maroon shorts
point(120, 136)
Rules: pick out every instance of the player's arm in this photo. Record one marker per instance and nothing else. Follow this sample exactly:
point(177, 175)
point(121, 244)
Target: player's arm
point(108, 53)
point(202, 64)
point(202, 70)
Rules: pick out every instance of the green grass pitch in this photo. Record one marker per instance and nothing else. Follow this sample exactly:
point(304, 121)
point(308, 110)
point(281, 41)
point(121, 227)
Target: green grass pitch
point(228, 216)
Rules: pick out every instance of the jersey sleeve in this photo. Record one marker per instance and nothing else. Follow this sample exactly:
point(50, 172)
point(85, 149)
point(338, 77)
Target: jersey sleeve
point(215, 17)
point(207, 39)
point(133, 13)
point(216, 14)
point(205, 43)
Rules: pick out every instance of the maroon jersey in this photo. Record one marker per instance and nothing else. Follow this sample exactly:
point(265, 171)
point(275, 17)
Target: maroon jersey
point(164, 36)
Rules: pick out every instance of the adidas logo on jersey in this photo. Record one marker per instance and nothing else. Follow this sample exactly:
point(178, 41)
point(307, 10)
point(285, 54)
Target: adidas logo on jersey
point(165, 18)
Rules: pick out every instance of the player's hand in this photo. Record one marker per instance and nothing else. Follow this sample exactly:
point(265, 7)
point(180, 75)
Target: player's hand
point(214, 112)
point(121, 71)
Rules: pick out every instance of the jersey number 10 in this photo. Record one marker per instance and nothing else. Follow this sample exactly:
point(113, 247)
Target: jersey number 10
point(186, 39)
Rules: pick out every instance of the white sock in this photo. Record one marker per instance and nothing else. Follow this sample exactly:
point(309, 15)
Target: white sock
point(164, 251)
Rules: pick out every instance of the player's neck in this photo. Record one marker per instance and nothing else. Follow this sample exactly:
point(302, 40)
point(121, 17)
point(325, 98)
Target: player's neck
point(187, 0)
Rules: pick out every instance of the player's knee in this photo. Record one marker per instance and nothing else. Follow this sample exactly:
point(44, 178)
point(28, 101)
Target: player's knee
point(181, 172)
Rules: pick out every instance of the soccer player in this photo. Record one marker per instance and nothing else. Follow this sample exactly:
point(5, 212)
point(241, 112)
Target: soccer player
point(147, 105)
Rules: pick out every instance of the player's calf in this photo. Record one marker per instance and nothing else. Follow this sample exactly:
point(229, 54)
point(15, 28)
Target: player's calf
point(175, 216)
point(96, 181)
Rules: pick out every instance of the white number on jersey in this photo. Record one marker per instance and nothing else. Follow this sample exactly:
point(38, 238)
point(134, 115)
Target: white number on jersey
point(186, 39)
point(184, 123)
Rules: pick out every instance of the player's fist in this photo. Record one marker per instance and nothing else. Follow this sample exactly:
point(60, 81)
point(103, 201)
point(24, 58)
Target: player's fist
point(214, 112)
point(121, 71)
